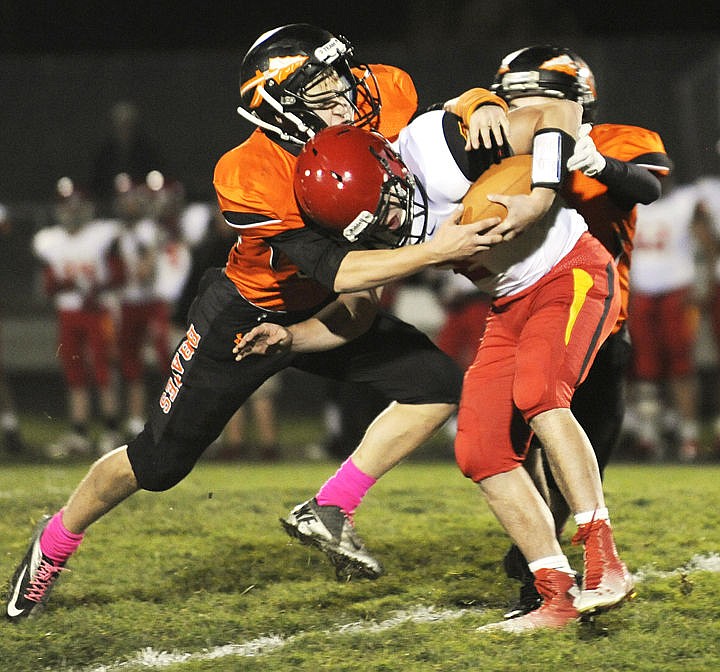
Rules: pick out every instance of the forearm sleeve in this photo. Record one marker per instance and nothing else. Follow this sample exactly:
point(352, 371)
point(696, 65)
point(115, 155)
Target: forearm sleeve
point(628, 183)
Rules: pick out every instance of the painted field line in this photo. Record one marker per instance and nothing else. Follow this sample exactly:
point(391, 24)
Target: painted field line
point(150, 659)
point(154, 660)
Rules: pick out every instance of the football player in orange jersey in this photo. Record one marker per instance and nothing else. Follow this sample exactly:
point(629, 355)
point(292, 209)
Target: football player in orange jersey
point(614, 167)
point(295, 80)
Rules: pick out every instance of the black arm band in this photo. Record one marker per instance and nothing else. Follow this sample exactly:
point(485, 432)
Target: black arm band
point(629, 183)
point(551, 149)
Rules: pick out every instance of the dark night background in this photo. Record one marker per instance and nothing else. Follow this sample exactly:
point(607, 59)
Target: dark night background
point(64, 64)
point(84, 26)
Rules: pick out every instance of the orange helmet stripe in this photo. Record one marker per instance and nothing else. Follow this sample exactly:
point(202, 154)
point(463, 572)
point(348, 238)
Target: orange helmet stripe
point(561, 64)
point(279, 69)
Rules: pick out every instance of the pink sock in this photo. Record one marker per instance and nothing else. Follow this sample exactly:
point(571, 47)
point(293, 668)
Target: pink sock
point(57, 542)
point(346, 488)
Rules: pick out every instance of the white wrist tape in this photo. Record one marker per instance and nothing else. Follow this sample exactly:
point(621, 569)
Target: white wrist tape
point(547, 164)
point(551, 149)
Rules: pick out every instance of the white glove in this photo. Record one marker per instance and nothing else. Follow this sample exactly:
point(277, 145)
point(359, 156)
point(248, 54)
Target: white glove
point(586, 158)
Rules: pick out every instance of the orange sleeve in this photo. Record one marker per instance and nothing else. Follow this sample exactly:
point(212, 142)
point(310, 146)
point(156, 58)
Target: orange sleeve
point(398, 98)
point(469, 101)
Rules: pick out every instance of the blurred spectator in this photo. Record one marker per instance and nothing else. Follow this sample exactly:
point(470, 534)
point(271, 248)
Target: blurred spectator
point(235, 444)
point(126, 149)
point(9, 423)
point(707, 230)
point(144, 317)
point(82, 271)
point(663, 326)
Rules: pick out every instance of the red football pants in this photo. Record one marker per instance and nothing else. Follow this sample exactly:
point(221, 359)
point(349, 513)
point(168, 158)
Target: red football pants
point(86, 337)
point(537, 348)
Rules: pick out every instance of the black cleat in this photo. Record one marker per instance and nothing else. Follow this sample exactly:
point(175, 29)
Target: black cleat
point(33, 579)
point(331, 530)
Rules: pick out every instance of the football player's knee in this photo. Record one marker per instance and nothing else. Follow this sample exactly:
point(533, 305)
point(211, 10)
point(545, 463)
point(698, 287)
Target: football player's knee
point(475, 452)
point(469, 462)
point(478, 464)
point(153, 472)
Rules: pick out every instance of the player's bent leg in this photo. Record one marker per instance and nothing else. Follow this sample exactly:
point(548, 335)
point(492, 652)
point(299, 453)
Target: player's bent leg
point(396, 433)
point(571, 458)
point(109, 481)
point(326, 521)
point(329, 529)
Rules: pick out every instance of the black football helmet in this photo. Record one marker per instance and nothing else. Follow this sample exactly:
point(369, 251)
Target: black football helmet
point(280, 69)
point(351, 182)
point(547, 70)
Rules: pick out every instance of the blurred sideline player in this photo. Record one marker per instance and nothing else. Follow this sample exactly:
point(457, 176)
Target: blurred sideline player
point(664, 323)
point(83, 272)
point(157, 262)
point(707, 231)
point(555, 299)
point(295, 80)
point(466, 310)
point(614, 167)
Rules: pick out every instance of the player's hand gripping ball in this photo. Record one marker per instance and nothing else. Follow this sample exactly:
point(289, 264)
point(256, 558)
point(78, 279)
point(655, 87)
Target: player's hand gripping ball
point(511, 176)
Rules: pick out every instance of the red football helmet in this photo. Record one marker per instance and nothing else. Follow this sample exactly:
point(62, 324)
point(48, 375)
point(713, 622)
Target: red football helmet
point(350, 181)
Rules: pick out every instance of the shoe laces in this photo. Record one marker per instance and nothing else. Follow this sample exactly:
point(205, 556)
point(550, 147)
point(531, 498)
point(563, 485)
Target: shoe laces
point(596, 551)
point(45, 576)
point(552, 583)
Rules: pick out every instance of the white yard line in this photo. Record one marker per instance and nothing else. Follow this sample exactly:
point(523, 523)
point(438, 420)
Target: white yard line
point(151, 659)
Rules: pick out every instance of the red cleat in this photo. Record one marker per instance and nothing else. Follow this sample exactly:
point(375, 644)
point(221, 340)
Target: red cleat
point(606, 581)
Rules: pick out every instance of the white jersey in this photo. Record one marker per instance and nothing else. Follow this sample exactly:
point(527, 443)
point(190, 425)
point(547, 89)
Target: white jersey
point(139, 242)
point(512, 266)
point(708, 192)
point(174, 264)
point(664, 253)
point(195, 221)
point(79, 257)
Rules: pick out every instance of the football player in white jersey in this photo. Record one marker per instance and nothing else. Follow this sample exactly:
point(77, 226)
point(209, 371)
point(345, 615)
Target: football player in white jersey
point(664, 322)
point(555, 299)
point(82, 273)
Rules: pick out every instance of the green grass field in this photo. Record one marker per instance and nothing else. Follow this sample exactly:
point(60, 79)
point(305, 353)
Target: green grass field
point(203, 578)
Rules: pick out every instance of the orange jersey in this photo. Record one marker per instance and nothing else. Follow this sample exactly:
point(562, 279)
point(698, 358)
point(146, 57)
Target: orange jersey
point(611, 224)
point(398, 99)
point(254, 186)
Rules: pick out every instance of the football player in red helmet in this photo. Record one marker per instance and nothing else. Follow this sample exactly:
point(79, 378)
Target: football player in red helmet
point(554, 300)
point(370, 201)
point(295, 80)
point(614, 167)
